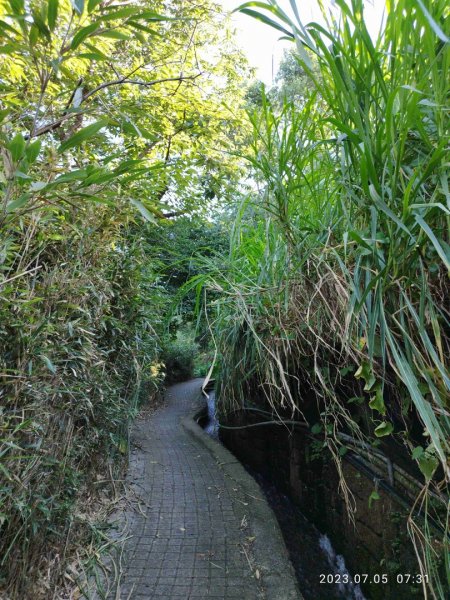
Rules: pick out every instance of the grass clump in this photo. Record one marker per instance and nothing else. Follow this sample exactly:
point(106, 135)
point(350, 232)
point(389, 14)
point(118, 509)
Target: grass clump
point(336, 283)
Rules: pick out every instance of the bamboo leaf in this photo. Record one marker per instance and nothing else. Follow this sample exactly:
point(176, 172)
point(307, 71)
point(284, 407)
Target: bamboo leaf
point(92, 4)
point(144, 211)
point(18, 203)
point(32, 151)
point(78, 6)
point(52, 13)
point(17, 147)
point(81, 35)
point(17, 6)
point(114, 34)
point(82, 135)
point(41, 26)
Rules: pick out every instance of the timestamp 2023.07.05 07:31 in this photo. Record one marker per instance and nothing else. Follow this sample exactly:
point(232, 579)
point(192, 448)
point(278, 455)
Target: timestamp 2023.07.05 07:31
point(357, 578)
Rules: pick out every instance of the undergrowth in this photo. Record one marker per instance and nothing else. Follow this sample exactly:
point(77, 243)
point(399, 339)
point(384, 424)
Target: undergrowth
point(77, 349)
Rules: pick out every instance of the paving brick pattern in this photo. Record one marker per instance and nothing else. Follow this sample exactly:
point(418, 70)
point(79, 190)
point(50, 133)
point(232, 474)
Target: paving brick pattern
point(186, 531)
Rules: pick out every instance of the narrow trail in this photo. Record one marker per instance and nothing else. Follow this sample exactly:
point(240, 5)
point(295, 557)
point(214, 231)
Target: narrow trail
point(191, 530)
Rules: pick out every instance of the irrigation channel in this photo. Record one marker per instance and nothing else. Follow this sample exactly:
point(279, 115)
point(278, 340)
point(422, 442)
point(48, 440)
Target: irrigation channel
point(310, 551)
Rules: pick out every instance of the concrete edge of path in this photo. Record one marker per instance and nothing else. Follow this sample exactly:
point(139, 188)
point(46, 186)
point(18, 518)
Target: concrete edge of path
point(271, 555)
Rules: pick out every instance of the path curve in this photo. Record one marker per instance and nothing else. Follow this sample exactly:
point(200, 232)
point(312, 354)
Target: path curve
point(197, 525)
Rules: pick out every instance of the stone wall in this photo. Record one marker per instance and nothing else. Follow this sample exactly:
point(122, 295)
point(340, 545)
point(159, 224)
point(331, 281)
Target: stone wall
point(376, 543)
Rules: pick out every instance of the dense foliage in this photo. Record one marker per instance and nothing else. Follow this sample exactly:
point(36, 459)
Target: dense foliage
point(336, 285)
point(112, 120)
point(117, 118)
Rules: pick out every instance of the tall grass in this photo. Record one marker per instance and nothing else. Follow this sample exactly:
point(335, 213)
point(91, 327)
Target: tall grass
point(337, 279)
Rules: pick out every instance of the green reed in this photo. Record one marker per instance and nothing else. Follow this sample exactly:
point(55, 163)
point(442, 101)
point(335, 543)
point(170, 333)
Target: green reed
point(339, 262)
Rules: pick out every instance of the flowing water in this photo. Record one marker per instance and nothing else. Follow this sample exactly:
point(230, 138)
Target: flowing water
point(212, 424)
point(312, 555)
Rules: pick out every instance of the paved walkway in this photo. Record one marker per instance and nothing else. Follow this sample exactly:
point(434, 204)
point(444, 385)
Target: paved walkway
point(189, 531)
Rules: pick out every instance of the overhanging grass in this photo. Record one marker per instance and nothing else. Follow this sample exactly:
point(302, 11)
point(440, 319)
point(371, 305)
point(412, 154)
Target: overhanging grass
point(340, 263)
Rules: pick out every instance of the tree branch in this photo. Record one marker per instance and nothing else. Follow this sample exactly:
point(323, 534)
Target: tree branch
point(125, 80)
point(121, 81)
point(174, 213)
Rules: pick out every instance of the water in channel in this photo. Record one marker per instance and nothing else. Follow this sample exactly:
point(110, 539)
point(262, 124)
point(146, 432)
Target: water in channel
point(311, 552)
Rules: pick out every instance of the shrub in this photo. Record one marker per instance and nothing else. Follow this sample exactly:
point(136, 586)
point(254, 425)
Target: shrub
point(179, 355)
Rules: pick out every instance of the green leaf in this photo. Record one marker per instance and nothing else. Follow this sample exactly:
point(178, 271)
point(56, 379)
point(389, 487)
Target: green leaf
point(136, 25)
point(93, 56)
point(22, 175)
point(48, 363)
point(428, 465)
point(42, 27)
point(417, 452)
point(434, 26)
point(377, 401)
point(381, 204)
point(17, 147)
point(32, 151)
point(373, 497)
point(17, 6)
point(151, 16)
point(37, 186)
point(144, 211)
point(345, 370)
point(265, 20)
point(385, 428)
point(424, 408)
point(357, 238)
point(72, 176)
point(34, 35)
point(8, 49)
point(81, 35)
point(365, 372)
point(99, 176)
point(115, 35)
point(6, 27)
point(439, 249)
point(4, 113)
point(92, 4)
point(82, 135)
point(52, 13)
point(356, 400)
point(343, 128)
point(120, 14)
point(316, 428)
point(372, 283)
point(78, 6)
point(17, 203)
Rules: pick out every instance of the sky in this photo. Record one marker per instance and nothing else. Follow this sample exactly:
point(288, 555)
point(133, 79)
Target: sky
point(260, 42)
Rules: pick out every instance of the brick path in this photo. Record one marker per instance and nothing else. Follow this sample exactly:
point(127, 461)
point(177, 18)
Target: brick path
point(187, 535)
